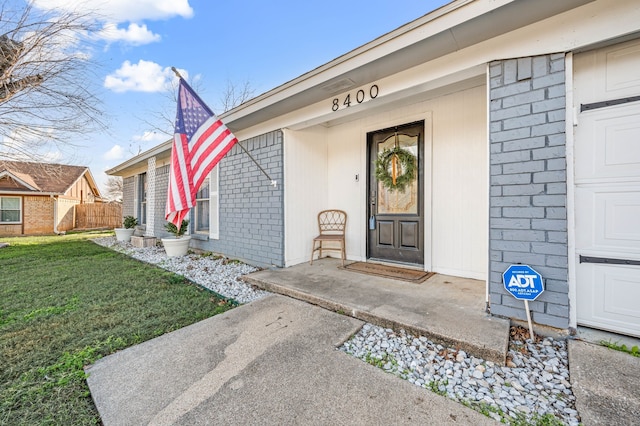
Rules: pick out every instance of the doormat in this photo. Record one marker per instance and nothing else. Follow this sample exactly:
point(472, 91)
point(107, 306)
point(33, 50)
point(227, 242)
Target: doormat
point(387, 271)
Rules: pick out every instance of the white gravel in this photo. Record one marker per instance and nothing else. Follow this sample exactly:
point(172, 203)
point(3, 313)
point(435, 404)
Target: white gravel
point(217, 274)
point(535, 384)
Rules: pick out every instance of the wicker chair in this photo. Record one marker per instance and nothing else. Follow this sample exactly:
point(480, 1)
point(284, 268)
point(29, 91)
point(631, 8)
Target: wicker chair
point(332, 225)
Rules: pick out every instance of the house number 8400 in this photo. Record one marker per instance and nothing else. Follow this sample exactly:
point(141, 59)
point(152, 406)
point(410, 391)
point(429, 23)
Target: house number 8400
point(359, 98)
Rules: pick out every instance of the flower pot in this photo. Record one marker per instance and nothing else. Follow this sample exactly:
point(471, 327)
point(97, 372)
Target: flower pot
point(176, 246)
point(124, 234)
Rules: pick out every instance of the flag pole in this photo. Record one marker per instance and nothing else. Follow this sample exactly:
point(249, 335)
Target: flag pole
point(273, 182)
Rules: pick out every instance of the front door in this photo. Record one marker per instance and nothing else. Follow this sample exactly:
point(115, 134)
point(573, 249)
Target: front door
point(395, 188)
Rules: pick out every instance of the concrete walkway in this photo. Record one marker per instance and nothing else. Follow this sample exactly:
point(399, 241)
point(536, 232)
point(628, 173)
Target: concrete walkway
point(448, 310)
point(273, 361)
point(605, 383)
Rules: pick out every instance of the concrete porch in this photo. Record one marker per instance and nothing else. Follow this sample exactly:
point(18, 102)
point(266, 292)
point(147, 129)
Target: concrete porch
point(449, 310)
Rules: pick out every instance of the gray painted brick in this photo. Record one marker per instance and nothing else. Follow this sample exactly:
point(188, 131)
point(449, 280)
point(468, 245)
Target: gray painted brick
point(511, 179)
point(510, 157)
point(549, 248)
point(510, 71)
point(532, 189)
point(548, 153)
point(516, 111)
point(532, 226)
point(511, 89)
point(549, 200)
point(523, 98)
point(551, 320)
point(540, 65)
point(557, 188)
point(546, 105)
point(510, 201)
point(552, 176)
point(529, 166)
point(549, 224)
point(523, 212)
point(524, 121)
point(508, 312)
point(529, 235)
point(507, 135)
point(557, 237)
point(525, 70)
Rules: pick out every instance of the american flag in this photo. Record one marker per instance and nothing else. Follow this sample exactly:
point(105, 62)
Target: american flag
point(200, 141)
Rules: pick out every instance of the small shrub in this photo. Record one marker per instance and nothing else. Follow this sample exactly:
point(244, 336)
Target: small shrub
point(130, 222)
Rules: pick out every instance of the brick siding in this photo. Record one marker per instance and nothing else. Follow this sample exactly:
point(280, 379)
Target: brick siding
point(251, 211)
point(528, 216)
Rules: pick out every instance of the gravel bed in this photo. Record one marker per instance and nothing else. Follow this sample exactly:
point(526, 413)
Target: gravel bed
point(533, 385)
point(217, 274)
point(535, 382)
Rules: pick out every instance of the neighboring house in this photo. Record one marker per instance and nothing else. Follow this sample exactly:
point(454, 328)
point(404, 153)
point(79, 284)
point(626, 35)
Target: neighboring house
point(39, 198)
point(524, 117)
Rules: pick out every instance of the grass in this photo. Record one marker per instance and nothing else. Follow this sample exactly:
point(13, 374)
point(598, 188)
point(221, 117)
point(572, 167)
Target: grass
point(66, 302)
point(634, 351)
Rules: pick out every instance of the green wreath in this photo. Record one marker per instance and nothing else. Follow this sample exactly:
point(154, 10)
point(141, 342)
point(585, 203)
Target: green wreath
point(406, 172)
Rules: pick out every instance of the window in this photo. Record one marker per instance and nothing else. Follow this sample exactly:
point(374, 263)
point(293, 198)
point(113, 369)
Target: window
point(10, 210)
point(202, 208)
point(142, 199)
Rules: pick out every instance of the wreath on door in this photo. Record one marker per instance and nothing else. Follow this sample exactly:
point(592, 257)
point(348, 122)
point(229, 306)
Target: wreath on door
point(396, 168)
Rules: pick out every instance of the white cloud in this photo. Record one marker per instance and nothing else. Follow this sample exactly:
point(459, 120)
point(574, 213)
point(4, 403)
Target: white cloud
point(123, 10)
point(134, 34)
point(145, 76)
point(115, 153)
point(152, 136)
point(114, 12)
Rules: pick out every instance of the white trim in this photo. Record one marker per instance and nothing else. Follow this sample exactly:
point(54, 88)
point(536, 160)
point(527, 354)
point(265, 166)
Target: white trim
point(570, 122)
point(214, 203)
point(21, 210)
point(8, 174)
point(488, 142)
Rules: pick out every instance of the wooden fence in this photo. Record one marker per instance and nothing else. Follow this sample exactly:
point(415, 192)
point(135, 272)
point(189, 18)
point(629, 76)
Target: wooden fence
point(98, 215)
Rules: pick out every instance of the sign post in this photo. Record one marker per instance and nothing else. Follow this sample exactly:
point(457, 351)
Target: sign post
point(524, 283)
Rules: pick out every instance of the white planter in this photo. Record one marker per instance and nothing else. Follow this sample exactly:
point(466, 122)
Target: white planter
point(176, 246)
point(124, 234)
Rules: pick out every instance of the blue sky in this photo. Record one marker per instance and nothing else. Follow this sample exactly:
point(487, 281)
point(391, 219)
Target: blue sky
point(264, 43)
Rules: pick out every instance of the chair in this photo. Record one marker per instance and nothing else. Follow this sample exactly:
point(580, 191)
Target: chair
point(332, 224)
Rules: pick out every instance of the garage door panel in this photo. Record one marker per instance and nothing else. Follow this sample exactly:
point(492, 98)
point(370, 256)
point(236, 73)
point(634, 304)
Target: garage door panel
point(607, 187)
point(615, 152)
point(617, 60)
point(608, 73)
point(609, 219)
point(608, 297)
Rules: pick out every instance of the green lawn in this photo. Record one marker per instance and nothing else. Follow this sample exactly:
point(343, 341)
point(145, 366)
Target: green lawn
point(64, 303)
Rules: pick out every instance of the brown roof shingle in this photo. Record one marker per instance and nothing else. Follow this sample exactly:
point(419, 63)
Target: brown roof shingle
point(45, 177)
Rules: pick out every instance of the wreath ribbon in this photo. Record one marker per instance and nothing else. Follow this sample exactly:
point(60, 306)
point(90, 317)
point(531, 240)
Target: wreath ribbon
point(403, 168)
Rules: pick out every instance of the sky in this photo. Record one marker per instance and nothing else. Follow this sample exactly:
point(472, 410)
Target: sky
point(215, 45)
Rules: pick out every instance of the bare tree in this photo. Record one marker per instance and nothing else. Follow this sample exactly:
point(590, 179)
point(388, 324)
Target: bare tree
point(235, 94)
point(114, 189)
point(45, 79)
point(162, 120)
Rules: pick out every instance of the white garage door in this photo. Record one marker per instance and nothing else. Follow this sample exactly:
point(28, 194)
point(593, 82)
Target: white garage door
point(607, 188)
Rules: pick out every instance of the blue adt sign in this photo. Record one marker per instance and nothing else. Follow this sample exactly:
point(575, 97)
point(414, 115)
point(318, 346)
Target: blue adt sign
point(523, 282)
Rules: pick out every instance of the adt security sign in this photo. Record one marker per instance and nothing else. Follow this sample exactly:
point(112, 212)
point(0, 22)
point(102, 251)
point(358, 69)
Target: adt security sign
point(523, 282)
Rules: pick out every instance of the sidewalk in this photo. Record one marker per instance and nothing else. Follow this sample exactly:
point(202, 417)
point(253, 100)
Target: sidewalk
point(273, 361)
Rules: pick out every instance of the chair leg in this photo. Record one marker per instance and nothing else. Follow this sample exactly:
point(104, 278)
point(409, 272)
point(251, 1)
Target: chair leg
point(344, 251)
point(313, 249)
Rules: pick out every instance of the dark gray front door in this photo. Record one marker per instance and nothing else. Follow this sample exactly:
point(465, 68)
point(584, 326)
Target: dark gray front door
point(396, 223)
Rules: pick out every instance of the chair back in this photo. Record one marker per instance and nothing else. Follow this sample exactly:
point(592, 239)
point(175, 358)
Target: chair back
point(332, 222)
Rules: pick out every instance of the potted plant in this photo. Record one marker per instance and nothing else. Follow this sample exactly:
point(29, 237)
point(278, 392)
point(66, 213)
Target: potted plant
point(179, 245)
point(129, 226)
